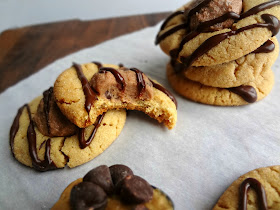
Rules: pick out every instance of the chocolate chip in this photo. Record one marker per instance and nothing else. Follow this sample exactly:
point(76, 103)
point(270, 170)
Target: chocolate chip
point(102, 177)
point(87, 195)
point(108, 94)
point(119, 172)
point(134, 189)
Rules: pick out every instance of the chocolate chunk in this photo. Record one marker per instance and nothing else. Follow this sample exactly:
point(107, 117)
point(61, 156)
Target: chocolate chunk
point(102, 177)
point(214, 9)
point(49, 119)
point(87, 195)
point(135, 189)
point(119, 172)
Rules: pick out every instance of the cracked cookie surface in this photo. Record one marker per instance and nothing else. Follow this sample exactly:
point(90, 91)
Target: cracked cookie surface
point(201, 48)
point(198, 92)
point(263, 181)
point(111, 87)
point(30, 147)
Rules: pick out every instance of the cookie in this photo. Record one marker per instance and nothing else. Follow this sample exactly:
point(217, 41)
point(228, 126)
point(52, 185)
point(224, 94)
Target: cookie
point(83, 92)
point(204, 46)
point(131, 192)
point(72, 146)
point(235, 73)
point(258, 189)
point(235, 96)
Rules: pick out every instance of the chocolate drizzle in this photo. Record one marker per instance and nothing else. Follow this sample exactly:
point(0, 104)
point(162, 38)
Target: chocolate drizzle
point(119, 78)
point(140, 80)
point(271, 23)
point(267, 47)
point(47, 163)
point(15, 127)
point(248, 93)
point(257, 186)
point(89, 93)
point(98, 64)
point(81, 134)
point(181, 12)
point(165, 91)
point(47, 98)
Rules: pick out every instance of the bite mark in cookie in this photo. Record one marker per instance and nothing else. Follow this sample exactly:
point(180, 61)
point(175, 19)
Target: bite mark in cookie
point(116, 88)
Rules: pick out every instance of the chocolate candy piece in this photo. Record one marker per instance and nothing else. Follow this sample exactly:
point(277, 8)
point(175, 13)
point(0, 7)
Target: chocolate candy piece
point(136, 190)
point(102, 177)
point(119, 172)
point(87, 195)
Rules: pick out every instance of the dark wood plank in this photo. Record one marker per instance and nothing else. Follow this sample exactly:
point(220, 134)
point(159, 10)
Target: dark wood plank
point(26, 50)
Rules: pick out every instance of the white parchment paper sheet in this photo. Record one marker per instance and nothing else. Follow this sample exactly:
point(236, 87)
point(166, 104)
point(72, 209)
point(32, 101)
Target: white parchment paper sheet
point(194, 163)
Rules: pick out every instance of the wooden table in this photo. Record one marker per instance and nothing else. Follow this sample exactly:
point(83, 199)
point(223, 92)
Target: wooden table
point(24, 51)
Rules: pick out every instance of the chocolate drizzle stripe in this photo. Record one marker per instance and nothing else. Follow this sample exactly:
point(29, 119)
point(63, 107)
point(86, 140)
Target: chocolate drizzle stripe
point(81, 134)
point(170, 31)
point(119, 78)
point(98, 64)
point(267, 47)
point(271, 23)
point(257, 186)
point(165, 91)
point(47, 163)
point(47, 98)
point(174, 14)
point(140, 80)
point(15, 127)
point(89, 93)
point(259, 8)
point(248, 93)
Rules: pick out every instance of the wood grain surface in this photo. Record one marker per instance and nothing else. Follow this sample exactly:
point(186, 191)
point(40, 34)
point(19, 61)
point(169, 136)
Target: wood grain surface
point(24, 51)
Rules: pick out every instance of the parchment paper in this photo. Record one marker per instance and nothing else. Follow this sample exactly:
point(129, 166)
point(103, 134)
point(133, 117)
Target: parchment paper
point(194, 163)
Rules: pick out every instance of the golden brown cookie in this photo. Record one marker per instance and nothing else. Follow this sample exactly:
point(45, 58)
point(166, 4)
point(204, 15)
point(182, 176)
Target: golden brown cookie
point(83, 92)
point(247, 93)
point(30, 147)
point(258, 189)
point(235, 73)
point(204, 46)
point(98, 189)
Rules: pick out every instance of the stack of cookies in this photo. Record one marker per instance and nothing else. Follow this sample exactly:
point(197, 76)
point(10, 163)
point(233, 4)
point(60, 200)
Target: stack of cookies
point(83, 114)
point(222, 51)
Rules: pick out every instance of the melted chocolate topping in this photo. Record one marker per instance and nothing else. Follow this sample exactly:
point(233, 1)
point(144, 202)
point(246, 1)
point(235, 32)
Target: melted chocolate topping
point(81, 134)
point(165, 91)
point(259, 8)
point(47, 98)
point(267, 47)
point(98, 64)
point(140, 80)
point(47, 163)
point(181, 12)
point(257, 186)
point(89, 93)
point(15, 127)
point(271, 23)
point(119, 78)
point(248, 93)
